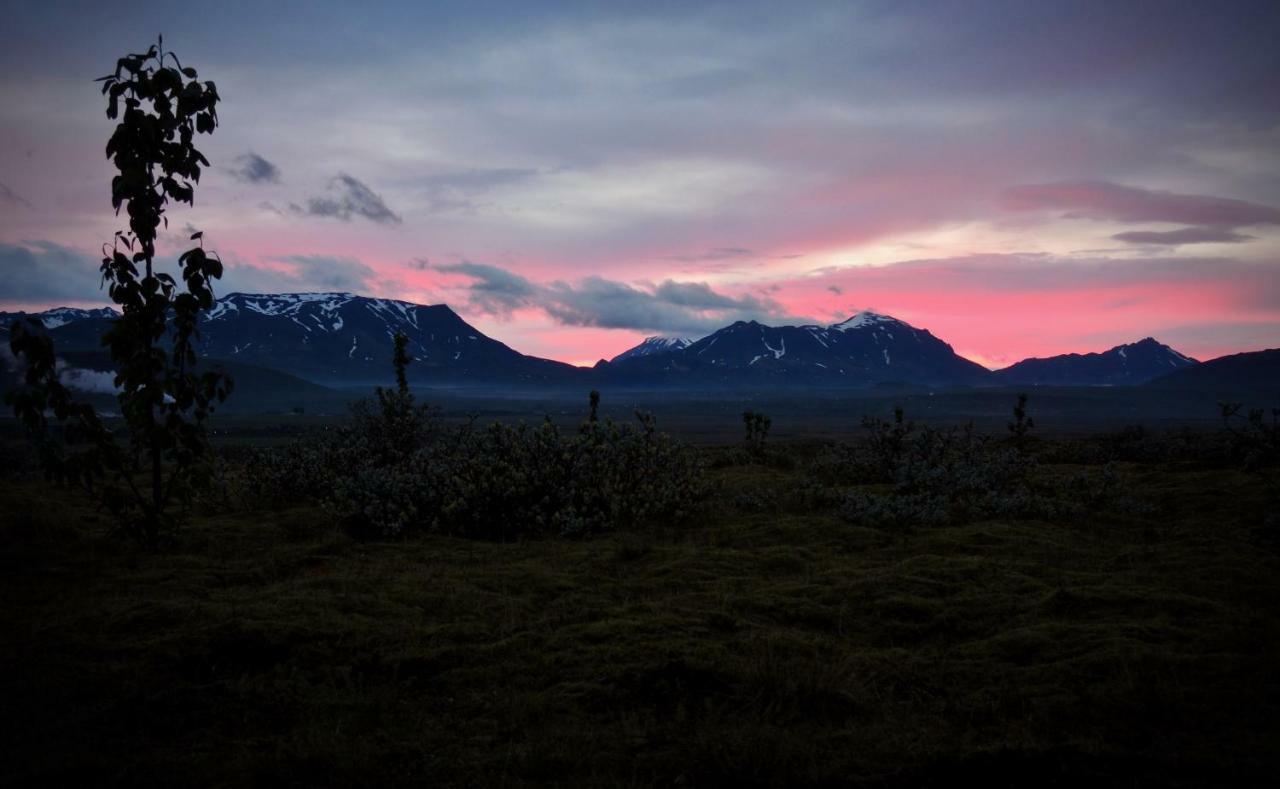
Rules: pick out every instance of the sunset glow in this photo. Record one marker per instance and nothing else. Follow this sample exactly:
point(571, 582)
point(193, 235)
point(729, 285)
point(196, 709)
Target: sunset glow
point(572, 178)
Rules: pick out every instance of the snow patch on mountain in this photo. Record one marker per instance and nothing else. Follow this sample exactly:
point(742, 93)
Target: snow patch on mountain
point(654, 345)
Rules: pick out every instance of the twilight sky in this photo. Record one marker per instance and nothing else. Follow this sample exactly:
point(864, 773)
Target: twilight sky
point(1020, 178)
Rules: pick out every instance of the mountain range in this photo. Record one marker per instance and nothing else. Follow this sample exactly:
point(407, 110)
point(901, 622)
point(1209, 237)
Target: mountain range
point(1123, 365)
point(344, 340)
point(863, 350)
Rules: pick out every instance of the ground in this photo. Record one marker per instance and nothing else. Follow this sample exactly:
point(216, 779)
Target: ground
point(763, 643)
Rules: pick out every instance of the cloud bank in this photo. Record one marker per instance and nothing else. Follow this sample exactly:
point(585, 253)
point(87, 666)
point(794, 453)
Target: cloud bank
point(669, 307)
point(1208, 219)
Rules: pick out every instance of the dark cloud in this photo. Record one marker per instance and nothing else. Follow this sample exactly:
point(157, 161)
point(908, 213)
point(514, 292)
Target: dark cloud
point(8, 196)
point(669, 307)
point(41, 271)
point(1107, 201)
point(1186, 235)
point(253, 169)
point(349, 197)
point(494, 290)
point(698, 296)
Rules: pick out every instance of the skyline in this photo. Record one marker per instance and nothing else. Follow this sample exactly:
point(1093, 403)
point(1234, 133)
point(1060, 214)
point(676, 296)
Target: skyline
point(1020, 181)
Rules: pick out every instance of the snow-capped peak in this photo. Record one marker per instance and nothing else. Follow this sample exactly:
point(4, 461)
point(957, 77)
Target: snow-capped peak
point(862, 320)
point(61, 316)
point(653, 345)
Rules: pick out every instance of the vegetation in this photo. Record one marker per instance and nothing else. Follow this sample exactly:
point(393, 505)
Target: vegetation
point(768, 640)
point(395, 469)
point(164, 401)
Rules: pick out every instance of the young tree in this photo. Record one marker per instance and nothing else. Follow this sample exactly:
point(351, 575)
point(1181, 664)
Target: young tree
point(163, 400)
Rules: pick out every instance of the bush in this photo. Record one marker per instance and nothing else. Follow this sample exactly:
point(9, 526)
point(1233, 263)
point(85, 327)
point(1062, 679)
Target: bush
point(1253, 437)
point(954, 475)
point(395, 469)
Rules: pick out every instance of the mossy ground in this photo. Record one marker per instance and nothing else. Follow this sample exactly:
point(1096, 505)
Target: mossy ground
point(773, 644)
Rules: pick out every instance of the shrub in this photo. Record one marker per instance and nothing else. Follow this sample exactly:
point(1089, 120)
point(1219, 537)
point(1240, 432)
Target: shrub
point(1254, 439)
point(954, 475)
point(756, 431)
point(394, 469)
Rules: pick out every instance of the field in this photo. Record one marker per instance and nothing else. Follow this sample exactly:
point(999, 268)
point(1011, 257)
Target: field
point(769, 640)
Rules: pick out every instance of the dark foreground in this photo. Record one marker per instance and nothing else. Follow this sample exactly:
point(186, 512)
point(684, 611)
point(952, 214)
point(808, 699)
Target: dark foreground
point(771, 641)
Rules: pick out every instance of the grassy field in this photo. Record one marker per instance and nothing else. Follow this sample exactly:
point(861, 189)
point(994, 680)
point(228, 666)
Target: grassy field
point(768, 642)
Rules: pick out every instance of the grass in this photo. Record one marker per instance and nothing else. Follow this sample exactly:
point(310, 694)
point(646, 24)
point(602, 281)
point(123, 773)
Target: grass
point(756, 646)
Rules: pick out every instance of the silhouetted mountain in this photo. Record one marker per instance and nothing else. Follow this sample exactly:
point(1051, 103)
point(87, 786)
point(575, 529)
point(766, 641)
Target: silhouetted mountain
point(863, 350)
point(1256, 371)
point(651, 346)
point(1123, 365)
point(339, 339)
point(58, 316)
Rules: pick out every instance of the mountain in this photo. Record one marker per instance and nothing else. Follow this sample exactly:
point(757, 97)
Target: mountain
point(863, 350)
point(339, 339)
point(1254, 372)
point(651, 346)
point(1123, 365)
point(56, 317)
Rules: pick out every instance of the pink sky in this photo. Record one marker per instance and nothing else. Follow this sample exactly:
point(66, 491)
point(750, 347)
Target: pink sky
point(572, 181)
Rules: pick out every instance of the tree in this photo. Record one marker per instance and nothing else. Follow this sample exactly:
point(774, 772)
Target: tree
point(163, 400)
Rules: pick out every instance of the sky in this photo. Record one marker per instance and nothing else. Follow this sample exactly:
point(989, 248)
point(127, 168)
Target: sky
point(1022, 179)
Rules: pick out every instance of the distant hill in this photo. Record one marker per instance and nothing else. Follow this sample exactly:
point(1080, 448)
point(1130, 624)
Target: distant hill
point(866, 349)
point(1123, 365)
point(1257, 371)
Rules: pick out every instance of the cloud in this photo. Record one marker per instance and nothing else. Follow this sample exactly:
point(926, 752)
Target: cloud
point(456, 192)
point(1107, 201)
point(713, 255)
point(253, 169)
point(38, 271)
point(349, 197)
point(493, 290)
point(668, 307)
point(101, 381)
point(8, 196)
point(1186, 235)
point(299, 273)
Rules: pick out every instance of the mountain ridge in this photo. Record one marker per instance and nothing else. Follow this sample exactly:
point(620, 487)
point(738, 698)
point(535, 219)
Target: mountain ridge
point(1128, 364)
point(337, 338)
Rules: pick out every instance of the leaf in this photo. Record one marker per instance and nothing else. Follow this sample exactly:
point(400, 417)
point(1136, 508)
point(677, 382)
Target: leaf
point(190, 72)
point(197, 234)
